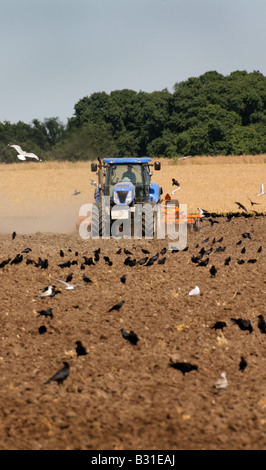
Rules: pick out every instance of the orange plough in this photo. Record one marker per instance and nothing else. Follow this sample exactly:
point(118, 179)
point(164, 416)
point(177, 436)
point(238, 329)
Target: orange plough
point(172, 214)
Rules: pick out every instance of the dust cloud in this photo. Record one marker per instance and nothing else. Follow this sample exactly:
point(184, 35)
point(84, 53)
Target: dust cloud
point(54, 218)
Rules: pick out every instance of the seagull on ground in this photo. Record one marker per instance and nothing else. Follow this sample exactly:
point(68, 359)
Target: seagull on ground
point(222, 382)
point(48, 292)
point(195, 291)
point(22, 155)
point(261, 190)
point(68, 285)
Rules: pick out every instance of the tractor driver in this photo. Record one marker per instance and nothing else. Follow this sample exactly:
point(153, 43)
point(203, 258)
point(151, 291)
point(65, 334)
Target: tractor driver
point(129, 174)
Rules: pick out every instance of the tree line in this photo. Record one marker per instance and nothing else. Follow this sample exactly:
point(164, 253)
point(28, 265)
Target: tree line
point(211, 114)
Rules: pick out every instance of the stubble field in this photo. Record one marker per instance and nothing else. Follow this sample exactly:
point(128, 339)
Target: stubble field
point(120, 396)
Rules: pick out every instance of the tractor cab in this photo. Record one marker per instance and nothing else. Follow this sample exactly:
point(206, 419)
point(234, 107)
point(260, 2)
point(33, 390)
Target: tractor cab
point(127, 181)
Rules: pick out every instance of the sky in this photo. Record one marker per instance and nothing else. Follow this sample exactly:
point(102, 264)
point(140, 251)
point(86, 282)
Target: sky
point(56, 52)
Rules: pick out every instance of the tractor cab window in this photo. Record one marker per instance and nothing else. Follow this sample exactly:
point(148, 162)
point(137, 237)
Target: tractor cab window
point(127, 172)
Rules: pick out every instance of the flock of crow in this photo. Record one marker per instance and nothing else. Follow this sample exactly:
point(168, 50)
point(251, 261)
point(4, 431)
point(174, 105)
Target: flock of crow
point(200, 259)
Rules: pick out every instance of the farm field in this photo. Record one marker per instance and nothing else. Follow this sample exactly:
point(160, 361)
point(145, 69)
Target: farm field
point(122, 396)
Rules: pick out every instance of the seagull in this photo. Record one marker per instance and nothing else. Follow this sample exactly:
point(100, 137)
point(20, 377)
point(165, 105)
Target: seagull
point(222, 382)
point(195, 291)
point(184, 158)
point(48, 292)
point(261, 190)
point(203, 213)
point(22, 155)
point(173, 192)
point(68, 285)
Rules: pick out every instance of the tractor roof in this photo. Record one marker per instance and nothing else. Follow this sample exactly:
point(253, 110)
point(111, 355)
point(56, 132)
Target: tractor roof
point(127, 160)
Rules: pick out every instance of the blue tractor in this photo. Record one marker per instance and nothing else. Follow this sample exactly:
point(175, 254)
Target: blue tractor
point(127, 184)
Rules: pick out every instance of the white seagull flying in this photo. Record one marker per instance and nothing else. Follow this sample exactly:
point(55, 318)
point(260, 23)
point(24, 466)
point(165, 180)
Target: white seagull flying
point(22, 155)
point(174, 190)
point(261, 190)
point(68, 285)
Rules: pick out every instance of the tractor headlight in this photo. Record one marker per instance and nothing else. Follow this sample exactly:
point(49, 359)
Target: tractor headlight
point(116, 198)
point(129, 197)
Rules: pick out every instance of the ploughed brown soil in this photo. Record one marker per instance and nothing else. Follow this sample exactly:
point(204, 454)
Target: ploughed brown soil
point(120, 396)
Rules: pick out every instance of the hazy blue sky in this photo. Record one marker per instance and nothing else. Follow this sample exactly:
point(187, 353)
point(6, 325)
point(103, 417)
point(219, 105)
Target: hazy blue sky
point(55, 52)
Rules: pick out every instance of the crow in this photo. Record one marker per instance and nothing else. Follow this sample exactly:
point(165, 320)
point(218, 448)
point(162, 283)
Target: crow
point(244, 325)
point(220, 249)
point(219, 325)
point(243, 250)
point(143, 261)
point(127, 252)
point(5, 262)
point(61, 375)
point(240, 261)
point(46, 313)
point(204, 262)
point(163, 251)
point(227, 261)
point(246, 235)
point(69, 277)
point(196, 259)
point(162, 261)
point(80, 349)
point(119, 251)
point(212, 222)
point(131, 336)
point(253, 203)
point(17, 259)
point(242, 364)
point(97, 254)
point(123, 278)
point(86, 279)
point(130, 262)
point(42, 329)
point(213, 271)
point(88, 261)
point(27, 250)
point(146, 252)
point(152, 260)
point(107, 260)
point(117, 306)
point(67, 264)
point(262, 324)
point(62, 254)
point(43, 264)
point(259, 249)
point(175, 182)
point(241, 206)
point(184, 367)
point(14, 235)
point(252, 261)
